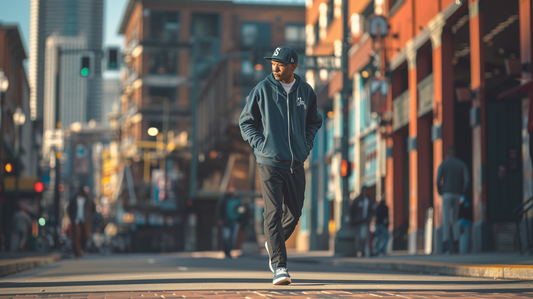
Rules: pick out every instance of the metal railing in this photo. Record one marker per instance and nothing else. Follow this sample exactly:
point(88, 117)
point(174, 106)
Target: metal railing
point(521, 213)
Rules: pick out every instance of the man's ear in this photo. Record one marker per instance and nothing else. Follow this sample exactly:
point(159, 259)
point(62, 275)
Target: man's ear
point(294, 66)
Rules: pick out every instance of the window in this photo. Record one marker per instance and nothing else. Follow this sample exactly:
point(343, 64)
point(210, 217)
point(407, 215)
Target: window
point(295, 37)
point(159, 94)
point(164, 26)
point(164, 62)
point(255, 35)
point(205, 25)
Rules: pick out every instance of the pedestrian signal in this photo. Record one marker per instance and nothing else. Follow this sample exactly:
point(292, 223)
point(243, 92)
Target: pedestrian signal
point(346, 168)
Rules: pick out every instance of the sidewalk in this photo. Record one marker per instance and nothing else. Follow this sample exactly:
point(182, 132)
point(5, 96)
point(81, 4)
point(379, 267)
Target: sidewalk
point(11, 263)
point(483, 265)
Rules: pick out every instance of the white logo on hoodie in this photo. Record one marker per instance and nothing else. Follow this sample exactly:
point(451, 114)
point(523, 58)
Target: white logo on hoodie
point(300, 102)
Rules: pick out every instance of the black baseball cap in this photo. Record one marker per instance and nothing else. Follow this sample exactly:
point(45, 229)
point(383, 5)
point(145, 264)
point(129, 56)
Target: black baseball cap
point(284, 54)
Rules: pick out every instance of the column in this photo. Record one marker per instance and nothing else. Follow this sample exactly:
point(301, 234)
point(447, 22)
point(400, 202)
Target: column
point(389, 173)
point(477, 116)
point(411, 147)
point(443, 110)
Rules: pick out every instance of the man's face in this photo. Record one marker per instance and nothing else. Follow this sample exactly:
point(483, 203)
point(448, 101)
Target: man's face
point(283, 71)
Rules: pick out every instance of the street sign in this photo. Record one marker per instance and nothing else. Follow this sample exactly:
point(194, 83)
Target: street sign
point(322, 62)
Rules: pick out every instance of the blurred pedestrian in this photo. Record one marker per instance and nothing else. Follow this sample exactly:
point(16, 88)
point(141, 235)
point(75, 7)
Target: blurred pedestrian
point(80, 210)
point(452, 181)
point(280, 121)
point(230, 210)
point(361, 213)
point(465, 224)
point(21, 227)
point(382, 228)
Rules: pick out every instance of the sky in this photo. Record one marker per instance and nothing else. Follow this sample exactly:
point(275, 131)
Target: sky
point(18, 12)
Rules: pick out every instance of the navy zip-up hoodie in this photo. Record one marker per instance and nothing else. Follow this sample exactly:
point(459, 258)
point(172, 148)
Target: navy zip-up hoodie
point(281, 127)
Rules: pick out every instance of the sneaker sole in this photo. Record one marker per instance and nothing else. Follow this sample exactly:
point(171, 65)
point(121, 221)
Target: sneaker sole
point(282, 281)
point(269, 261)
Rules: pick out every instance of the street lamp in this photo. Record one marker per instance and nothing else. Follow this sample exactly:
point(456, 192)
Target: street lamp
point(4, 85)
point(4, 81)
point(153, 131)
point(18, 119)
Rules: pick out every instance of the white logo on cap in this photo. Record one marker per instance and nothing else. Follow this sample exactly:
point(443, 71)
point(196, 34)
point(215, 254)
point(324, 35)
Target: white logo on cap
point(292, 59)
point(276, 53)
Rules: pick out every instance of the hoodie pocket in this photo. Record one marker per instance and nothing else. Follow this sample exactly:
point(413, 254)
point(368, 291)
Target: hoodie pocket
point(276, 146)
point(299, 147)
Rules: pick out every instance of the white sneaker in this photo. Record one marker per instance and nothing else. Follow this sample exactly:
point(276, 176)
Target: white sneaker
point(281, 277)
point(269, 261)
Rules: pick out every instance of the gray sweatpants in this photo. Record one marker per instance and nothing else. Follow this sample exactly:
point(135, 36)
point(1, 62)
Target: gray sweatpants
point(450, 215)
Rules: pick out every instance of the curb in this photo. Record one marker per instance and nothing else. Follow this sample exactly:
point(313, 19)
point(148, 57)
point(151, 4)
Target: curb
point(9, 267)
point(521, 272)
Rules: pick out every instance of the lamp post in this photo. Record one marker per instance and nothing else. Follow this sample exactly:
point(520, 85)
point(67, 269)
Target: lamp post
point(18, 119)
point(344, 237)
point(4, 85)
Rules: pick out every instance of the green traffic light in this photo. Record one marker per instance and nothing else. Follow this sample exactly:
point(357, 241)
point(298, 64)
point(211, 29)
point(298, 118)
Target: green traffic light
point(42, 222)
point(85, 72)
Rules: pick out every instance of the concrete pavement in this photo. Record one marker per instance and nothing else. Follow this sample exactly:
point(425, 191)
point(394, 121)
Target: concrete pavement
point(482, 265)
point(11, 263)
point(205, 275)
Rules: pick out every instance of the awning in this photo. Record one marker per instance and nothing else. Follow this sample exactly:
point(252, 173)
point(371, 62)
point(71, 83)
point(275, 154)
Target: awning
point(515, 91)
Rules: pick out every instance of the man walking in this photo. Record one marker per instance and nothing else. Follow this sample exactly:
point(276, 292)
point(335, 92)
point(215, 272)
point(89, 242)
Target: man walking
point(382, 228)
point(21, 227)
point(361, 213)
point(452, 180)
point(280, 121)
point(80, 211)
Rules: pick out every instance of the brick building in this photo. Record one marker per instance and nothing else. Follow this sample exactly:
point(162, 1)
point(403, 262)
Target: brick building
point(459, 72)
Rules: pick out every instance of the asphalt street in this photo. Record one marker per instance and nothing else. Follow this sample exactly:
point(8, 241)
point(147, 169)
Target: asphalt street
point(205, 275)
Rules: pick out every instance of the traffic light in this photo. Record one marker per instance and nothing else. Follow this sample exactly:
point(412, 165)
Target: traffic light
point(346, 168)
point(112, 59)
point(38, 187)
point(85, 69)
point(10, 167)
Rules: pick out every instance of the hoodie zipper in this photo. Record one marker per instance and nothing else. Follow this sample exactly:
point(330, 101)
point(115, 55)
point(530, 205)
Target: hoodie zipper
point(289, 129)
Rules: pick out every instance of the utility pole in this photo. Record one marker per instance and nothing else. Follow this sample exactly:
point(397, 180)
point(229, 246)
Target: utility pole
point(166, 108)
point(344, 239)
point(57, 153)
point(194, 109)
